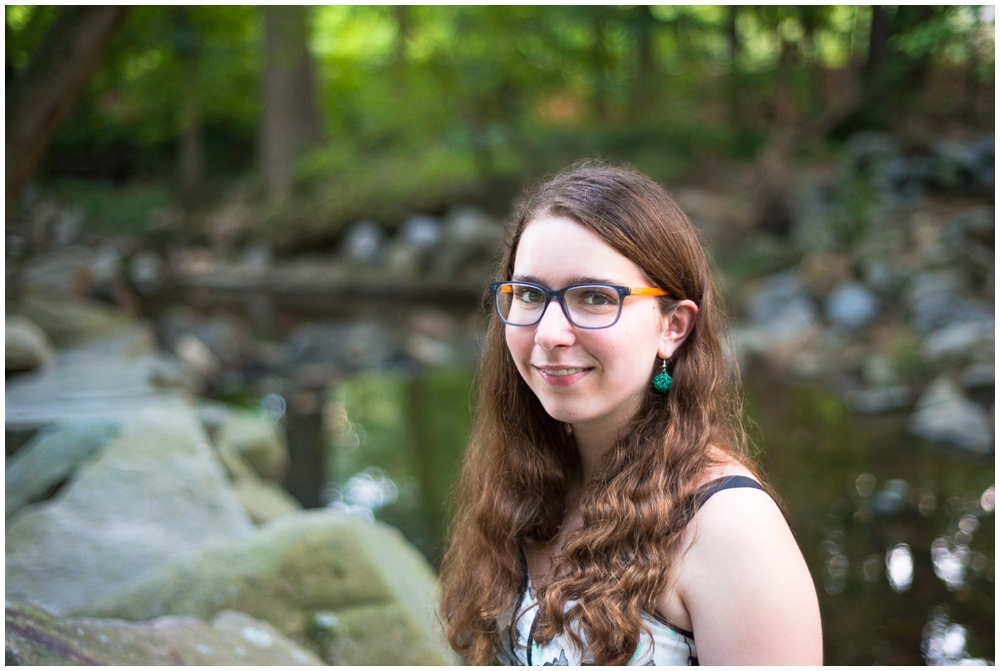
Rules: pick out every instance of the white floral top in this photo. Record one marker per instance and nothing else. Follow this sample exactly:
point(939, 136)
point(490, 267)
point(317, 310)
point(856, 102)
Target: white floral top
point(669, 646)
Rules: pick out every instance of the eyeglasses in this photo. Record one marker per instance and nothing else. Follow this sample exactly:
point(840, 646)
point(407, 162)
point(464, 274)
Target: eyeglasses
point(586, 306)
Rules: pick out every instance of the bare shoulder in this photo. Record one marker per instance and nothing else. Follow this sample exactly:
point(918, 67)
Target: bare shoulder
point(745, 584)
point(725, 466)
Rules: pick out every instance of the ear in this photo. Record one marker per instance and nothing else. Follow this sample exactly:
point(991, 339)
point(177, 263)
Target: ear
point(677, 326)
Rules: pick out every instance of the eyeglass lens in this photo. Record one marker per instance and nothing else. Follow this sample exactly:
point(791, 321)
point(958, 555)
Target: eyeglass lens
point(589, 306)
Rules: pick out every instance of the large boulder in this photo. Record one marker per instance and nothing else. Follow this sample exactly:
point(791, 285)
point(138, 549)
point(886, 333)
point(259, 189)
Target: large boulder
point(26, 347)
point(50, 458)
point(36, 638)
point(155, 492)
point(318, 576)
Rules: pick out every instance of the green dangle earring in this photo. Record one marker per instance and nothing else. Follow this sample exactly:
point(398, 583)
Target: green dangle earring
point(662, 380)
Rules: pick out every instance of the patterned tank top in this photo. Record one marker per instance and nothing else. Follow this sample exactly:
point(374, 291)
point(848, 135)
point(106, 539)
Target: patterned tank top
point(664, 645)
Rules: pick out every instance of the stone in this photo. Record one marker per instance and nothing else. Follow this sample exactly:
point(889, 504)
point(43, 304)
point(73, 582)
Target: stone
point(376, 635)
point(264, 501)
point(780, 294)
point(878, 370)
point(69, 321)
point(62, 273)
point(429, 351)
point(257, 258)
point(851, 306)
point(146, 271)
point(421, 232)
point(979, 376)
point(355, 346)
point(36, 638)
point(106, 268)
point(943, 414)
point(26, 347)
point(935, 300)
point(880, 399)
point(256, 439)
point(963, 341)
point(363, 242)
point(106, 379)
point(154, 492)
point(302, 573)
point(206, 342)
point(471, 237)
point(50, 458)
point(197, 355)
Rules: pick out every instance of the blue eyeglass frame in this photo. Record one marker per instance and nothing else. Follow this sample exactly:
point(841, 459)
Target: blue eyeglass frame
point(559, 295)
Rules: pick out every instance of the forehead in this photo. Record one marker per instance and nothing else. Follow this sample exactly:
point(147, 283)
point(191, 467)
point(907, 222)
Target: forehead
point(558, 251)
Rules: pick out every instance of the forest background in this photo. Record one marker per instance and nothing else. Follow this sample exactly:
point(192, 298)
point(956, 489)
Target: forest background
point(314, 117)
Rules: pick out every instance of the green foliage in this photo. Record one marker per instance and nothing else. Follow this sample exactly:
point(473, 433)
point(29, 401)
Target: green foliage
point(853, 201)
point(133, 209)
point(25, 28)
point(422, 104)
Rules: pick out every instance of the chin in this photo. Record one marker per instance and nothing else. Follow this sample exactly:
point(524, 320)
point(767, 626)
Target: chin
point(565, 412)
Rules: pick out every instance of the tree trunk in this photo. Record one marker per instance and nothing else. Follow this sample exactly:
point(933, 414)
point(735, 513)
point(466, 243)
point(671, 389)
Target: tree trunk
point(291, 117)
point(45, 93)
point(878, 47)
point(307, 470)
point(643, 93)
point(191, 153)
point(734, 83)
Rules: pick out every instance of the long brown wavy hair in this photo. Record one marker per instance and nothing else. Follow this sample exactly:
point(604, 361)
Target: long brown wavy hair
point(520, 460)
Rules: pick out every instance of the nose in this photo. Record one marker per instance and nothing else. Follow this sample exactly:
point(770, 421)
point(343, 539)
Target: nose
point(554, 330)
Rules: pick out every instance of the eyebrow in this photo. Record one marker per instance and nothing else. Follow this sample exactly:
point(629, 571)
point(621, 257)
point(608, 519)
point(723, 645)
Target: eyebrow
point(572, 281)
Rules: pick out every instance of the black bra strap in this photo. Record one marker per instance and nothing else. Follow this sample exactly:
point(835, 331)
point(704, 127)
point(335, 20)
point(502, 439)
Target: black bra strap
point(706, 491)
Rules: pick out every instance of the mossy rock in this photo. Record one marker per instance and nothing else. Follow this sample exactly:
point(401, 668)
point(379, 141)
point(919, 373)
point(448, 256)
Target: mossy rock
point(293, 573)
point(154, 492)
point(37, 638)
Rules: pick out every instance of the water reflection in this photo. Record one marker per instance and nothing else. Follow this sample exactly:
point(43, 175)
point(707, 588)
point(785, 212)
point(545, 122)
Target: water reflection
point(890, 531)
point(899, 567)
point(944, 643)
point(897, 528)
point(989, 499)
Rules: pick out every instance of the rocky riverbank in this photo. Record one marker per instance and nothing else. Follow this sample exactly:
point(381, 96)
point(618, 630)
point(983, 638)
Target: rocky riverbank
point(145, 526)
point(883, 287)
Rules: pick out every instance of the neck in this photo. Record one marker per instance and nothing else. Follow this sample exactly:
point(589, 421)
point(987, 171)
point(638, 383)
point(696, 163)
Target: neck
point(596, 437)
point(593, 440)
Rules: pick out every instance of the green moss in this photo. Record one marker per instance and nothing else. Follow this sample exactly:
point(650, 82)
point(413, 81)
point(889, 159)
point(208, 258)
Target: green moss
point(132, 209)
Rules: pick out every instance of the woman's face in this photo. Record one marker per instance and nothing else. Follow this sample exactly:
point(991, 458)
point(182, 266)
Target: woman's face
point(593, 379)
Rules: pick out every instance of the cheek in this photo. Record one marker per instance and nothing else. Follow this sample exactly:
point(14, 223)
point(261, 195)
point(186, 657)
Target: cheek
point(519, 342)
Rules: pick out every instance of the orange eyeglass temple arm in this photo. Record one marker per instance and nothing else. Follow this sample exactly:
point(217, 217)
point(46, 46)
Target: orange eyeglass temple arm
point(632, 291)
point(647, 291)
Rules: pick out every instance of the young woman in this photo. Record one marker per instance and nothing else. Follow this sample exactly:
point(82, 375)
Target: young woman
point(607, 511)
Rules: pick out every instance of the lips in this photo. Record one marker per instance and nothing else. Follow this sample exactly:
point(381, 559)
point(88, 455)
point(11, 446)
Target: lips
point(562, 376)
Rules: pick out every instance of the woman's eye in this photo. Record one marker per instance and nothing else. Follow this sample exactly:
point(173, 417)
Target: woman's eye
point(528, 295)
point(597, 299)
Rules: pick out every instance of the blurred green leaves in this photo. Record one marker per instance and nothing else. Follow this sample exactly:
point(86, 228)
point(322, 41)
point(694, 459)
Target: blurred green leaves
point(505, 93)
